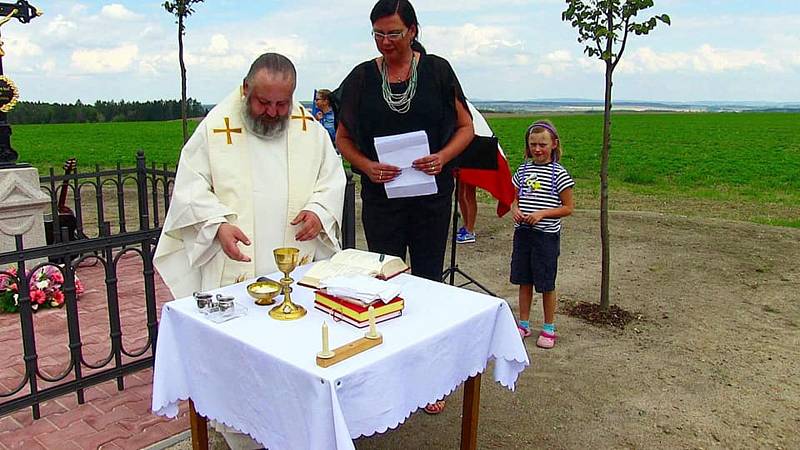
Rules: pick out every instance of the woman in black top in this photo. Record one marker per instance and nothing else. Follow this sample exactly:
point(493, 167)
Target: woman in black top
point(401, 91)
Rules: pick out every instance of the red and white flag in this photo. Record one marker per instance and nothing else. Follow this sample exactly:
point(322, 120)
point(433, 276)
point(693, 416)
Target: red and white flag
point(496, 182)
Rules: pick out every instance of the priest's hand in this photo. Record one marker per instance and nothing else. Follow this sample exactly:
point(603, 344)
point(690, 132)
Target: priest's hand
point(310, 225)
point(229, 237)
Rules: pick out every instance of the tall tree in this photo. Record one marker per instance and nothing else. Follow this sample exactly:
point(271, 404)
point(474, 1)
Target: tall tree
point(182, 9)
point(604, 26)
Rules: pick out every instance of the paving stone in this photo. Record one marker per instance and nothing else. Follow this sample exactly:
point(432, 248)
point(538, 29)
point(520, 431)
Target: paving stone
point(72, 432)
point(98, 440)
point(175, 426)
point(144, 439)
point(12, 439)
point(138, 423)
point(106, 407)
point(120, 413)
point(66, 418)
point(27, 443)
point(8, 424)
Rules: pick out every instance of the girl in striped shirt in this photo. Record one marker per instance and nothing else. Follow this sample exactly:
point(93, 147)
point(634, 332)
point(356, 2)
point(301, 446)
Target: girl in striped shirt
point(544, 196)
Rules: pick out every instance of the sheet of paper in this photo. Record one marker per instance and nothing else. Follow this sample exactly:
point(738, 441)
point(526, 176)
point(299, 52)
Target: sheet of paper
point(401, 150)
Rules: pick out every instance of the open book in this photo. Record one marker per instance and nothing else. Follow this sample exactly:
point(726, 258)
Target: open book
point(354, 262)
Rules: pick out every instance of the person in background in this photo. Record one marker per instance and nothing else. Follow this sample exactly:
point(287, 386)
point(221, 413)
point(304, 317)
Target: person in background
point(544, 197)
point(324, 114)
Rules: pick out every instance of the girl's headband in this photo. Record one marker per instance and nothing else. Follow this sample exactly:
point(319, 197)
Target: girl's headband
point(545, 125)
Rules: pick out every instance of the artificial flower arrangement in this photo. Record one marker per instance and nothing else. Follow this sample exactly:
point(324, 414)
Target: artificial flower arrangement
point(45, 289)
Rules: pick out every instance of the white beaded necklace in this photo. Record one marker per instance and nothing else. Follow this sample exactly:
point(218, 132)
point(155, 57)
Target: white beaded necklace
point(399, 103)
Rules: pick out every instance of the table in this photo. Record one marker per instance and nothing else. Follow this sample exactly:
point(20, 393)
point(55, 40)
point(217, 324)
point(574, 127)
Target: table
point(259, 375)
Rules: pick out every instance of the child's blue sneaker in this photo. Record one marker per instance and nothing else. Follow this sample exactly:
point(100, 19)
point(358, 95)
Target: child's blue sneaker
point(466, 238)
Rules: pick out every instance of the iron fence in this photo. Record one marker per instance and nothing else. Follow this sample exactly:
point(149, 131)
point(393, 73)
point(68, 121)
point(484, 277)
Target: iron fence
point(113, 234)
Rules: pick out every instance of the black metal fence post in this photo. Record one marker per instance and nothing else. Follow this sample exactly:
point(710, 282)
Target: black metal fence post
point(141, 190)
point(73, 323)
point(120, 199)
point(55, 223)
point(101, 217)
point(26, 322)
point(112, 298)
point(349, 213)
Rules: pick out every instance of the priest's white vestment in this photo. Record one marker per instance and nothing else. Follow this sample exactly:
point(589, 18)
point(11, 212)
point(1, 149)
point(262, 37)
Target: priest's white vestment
point(227, 174)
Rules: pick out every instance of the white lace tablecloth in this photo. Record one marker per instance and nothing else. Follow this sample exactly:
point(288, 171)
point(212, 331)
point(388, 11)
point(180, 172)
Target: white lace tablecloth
point(259, 375)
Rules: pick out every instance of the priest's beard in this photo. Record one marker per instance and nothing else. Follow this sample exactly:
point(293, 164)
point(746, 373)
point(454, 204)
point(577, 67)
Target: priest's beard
point(264, 126)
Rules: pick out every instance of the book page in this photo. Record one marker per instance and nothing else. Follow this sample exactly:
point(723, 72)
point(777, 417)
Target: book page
point(390, 265)
point(328, 268)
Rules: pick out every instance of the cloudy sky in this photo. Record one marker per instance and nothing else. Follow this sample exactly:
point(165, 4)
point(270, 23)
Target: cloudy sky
point(715, 50)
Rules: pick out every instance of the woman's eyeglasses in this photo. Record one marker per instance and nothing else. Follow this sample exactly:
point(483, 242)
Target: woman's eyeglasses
point(393, 36)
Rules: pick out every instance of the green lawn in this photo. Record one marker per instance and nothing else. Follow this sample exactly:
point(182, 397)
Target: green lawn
point(738, 165)
point(749, 161)
point(105, 144)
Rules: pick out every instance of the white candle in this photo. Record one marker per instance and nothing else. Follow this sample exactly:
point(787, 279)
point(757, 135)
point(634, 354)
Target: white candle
point(371, 314)
point(325, 347)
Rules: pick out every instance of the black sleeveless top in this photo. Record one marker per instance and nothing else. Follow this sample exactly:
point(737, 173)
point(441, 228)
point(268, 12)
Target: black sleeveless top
point(366, 115)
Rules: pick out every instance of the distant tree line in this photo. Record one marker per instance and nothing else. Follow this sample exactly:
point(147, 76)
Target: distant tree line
point(103, 111)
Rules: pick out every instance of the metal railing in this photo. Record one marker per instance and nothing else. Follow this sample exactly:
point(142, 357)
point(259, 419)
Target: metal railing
point(106, 246)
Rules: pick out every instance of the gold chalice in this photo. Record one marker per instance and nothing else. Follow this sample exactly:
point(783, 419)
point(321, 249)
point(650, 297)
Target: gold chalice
point(286, 259)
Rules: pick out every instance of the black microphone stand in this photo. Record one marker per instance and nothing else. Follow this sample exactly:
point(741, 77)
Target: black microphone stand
point(454, 269)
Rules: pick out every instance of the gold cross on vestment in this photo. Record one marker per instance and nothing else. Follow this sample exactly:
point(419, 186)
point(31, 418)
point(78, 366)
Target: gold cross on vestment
point(303, 116)
point(228, 130)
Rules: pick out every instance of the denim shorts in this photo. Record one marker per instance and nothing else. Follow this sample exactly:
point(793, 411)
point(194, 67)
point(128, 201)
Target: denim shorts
point(535, 258)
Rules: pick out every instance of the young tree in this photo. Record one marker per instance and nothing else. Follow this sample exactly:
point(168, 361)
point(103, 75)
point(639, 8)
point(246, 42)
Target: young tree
point(604, 27)
point(182, 9)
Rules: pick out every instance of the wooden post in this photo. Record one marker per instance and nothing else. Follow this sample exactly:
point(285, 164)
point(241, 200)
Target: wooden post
point(199, 426)
point(469, 419)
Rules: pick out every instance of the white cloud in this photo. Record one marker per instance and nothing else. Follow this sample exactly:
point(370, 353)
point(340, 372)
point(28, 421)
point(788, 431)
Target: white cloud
point(474, 45)
point(554, 63)
point(704, 59)
point(102, 61)
point(22, 47)
point(48, 66)
point(219, 45)
point(116, 11)
point(60, 27)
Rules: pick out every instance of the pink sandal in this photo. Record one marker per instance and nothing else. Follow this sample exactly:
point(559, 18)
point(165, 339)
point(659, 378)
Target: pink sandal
point(546, 340)
point(524, 332)
point(435, 408)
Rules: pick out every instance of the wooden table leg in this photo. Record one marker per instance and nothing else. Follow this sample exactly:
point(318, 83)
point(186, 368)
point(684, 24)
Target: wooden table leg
point(469, 418)
point(199, 426)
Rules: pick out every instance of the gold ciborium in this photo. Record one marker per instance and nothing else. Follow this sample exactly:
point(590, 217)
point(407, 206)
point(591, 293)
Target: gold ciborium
point(286, 259)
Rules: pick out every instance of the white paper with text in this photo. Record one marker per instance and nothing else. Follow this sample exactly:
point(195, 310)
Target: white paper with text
point(401, 150)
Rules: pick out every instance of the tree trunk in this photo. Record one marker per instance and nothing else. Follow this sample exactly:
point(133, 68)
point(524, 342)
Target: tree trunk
point(604, 238)
point(183, 79)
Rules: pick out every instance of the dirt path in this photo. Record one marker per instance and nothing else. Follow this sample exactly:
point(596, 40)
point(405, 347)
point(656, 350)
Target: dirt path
point(712, 362)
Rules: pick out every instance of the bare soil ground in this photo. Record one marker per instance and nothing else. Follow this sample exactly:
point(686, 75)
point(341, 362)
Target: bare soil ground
point(711, 360)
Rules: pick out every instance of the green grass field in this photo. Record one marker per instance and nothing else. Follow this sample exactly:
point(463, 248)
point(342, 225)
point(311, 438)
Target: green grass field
point(732, 165)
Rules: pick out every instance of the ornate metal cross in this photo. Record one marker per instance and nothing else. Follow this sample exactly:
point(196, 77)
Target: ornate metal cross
point(24, 12)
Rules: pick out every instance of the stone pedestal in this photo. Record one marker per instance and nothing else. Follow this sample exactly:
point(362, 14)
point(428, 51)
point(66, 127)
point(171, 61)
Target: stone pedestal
point(22, 204)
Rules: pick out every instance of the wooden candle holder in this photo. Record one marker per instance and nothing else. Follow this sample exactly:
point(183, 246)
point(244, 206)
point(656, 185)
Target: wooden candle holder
point(348, 350)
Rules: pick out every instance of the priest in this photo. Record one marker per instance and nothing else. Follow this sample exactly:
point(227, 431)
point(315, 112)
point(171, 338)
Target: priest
point(258, 173)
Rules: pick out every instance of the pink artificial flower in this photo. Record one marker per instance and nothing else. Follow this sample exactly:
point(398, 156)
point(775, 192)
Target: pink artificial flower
point(57, 277)
point(13, 287)
point(58, 298)
point(78, 286)
point(12, 270)
point(38, 297)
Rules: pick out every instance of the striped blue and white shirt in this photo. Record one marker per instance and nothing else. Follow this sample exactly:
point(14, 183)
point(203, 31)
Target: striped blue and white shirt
point(538, 187)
